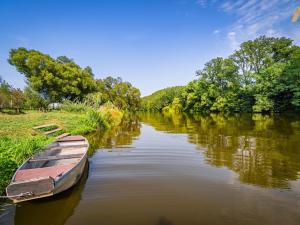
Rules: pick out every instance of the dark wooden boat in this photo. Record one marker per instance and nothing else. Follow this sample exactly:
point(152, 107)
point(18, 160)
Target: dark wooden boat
point(52, 171)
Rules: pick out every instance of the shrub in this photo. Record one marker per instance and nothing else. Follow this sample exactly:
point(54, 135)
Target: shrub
point(74, 106)
point(111, 113)
point(94, 100)
point(96, 119)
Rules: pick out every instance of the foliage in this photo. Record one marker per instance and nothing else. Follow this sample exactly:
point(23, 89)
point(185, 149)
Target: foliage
point(13, 151)
point(17, 99)
point(263, 75)
point(33, 100)
point(55, 79)
point(122, 94)
point(112, 114)
point(292, 78)
point(74, 106)
point(95, 100)
point(175, 107)
point(61, 79)
point(160, 99)
point(95, 119)
point(4, 94)
point(216, 89)
point(11, 97)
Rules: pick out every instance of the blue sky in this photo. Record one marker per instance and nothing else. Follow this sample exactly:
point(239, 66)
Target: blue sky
point(152, 44)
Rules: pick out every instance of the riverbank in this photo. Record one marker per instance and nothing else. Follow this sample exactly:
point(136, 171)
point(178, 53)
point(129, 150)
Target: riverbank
point(176, 162)
point(18, 141)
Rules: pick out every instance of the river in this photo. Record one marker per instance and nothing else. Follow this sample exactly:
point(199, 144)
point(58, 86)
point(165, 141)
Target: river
point(178, 169)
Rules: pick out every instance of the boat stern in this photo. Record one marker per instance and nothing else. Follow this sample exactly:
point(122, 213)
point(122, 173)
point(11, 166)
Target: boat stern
point(30, 189)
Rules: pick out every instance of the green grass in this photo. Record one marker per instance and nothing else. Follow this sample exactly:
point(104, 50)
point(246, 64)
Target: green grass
point(18, 141)
point(21, 125)
point(14, 150)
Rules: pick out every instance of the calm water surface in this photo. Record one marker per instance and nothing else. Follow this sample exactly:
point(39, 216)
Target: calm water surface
point(182, 170)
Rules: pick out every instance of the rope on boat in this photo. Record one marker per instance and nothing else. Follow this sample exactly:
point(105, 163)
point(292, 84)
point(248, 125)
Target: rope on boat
point(26, 194)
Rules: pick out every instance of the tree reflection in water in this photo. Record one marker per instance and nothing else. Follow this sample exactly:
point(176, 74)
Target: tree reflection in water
point(263, 150)
point(122, 135)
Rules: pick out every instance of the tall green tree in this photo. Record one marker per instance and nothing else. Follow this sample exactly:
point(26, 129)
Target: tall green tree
point(216, 89)
point(266, 59)
point(55, 79)
point(258, 54)
point(263, 75)
point(292, 78)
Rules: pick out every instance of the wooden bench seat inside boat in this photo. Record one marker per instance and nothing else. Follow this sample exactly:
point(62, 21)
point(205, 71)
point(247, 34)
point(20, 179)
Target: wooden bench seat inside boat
point(71, 138)
point(53, 171)
point(68, 146)
point(56, 157)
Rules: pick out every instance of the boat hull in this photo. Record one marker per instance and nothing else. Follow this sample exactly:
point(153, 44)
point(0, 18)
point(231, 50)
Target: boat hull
point(41, 187)
point(61, 185)
point(70, 178)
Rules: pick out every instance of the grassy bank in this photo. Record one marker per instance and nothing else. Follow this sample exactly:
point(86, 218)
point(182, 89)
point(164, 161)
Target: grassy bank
point(18, 140)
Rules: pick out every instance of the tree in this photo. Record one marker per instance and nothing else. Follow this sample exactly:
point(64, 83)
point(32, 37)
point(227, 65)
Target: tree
point(133, 98)
point(271, 89)
point(4, 94)
point(292, 77)
point(217, 87)
point(262, 76)
point(17, 99)
point(114, 90)
point(160, 99)
point(33, 100)
point(64, 59)
point(54, 79)
point(258, 54)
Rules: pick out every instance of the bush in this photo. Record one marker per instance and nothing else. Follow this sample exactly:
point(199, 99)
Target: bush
point(94, 100)
point(111, 113)
point(105, 117)
point(76, 106)
point(95, 119)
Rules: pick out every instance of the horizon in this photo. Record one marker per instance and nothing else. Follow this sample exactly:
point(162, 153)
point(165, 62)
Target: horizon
point(151, 44)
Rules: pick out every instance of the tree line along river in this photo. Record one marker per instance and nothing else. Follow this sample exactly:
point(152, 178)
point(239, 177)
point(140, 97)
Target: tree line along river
point(169, 169)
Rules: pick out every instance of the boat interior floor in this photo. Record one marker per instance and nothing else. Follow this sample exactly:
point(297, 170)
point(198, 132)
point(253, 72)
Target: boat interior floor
point(29, 174)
